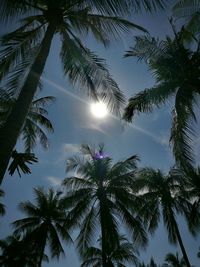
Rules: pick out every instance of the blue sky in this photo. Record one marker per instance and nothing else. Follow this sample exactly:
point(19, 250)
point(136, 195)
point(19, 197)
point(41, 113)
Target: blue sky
point(73, 123)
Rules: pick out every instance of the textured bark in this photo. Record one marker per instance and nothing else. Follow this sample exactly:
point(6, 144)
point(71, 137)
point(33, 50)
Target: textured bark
point(10, 132)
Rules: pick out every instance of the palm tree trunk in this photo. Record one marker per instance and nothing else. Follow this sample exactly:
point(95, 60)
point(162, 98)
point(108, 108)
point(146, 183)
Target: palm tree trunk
point(180, 241)
point(103, 246)
point(41, 246)
point(103, 235)
point(11, 130)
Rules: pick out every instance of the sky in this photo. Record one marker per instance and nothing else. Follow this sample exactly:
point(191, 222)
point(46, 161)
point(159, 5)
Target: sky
point(74, 124)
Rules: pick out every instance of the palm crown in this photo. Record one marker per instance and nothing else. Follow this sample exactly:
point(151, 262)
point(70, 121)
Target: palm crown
point(176, 70)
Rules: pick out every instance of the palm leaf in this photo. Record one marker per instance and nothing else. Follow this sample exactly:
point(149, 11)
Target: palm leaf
point(146, 100)
point(185, 8)
point(119, 7)
point(16, 48)
point(20, 161)
point(182, 129)
point(83, 67)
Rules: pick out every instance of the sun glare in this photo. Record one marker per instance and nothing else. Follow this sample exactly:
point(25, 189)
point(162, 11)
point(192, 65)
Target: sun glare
point(99, 109)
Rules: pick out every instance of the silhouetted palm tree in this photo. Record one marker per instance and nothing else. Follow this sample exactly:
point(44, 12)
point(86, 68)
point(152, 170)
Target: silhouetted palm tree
point(117, 255)
point(177, 73)
point(44, 224)
point(163, 196)
point(173, 260)
point(28, 48)
point(100, 198)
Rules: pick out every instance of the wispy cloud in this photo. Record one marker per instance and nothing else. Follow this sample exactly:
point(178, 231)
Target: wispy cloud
point(93, 126)
point(71, 148)
point(54, 181)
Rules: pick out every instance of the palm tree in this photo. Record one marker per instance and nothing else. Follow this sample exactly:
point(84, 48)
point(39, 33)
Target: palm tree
point(2, 207)
point(28, 48)
point(173, 260)
point(33, 130)
point(117, 255)
point(100, 198)
point(16, 252)
point(176, 70)
point(164, 195)
point(44, 224)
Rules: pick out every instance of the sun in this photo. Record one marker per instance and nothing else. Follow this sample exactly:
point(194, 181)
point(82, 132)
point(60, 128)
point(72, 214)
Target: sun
point(99, 109)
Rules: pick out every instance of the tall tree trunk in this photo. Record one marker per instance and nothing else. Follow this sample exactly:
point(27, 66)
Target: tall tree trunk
point(180, 241)
point(10, 132)
point(103, 236)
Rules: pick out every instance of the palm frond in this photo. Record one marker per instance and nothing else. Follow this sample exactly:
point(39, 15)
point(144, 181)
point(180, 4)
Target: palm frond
point(83, 67)
point(87, 231)
point(12, 9)
point(134, 225)
point(55, 244)
point(114, 26)
point(186, 8)
point(146, 100)
point(75, 163)
point(182, 130)
point(20, 161)
point(16, 47)
point(43, 101)
point(146, 48)
point(124, 7)
point(74, 183)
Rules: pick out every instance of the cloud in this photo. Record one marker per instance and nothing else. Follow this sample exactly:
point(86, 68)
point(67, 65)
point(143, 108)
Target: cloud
point(71, 148)
point(54, 181)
